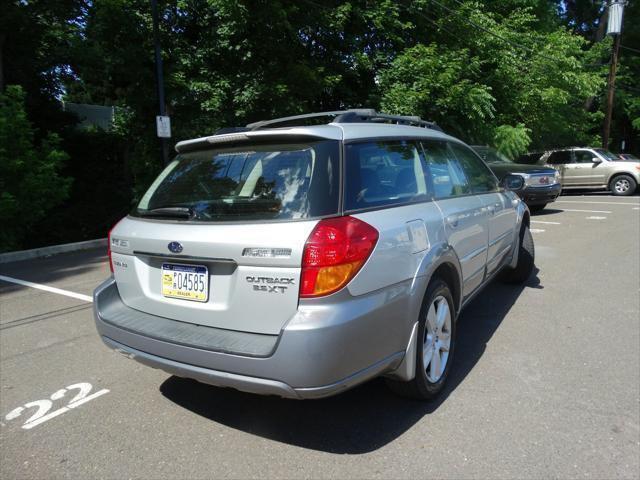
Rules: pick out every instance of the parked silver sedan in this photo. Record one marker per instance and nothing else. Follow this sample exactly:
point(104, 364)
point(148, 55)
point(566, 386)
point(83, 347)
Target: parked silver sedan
point(300, 261)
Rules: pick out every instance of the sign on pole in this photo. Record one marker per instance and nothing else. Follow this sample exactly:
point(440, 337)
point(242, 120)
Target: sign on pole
point(614, 25)
point(163, 126)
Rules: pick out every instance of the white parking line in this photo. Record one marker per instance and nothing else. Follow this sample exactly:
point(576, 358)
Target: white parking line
point(46, 288)
point(546, 223)
point(596, 218)
point(603, 196)
point(536, 230)
point(604, 203)
point(585, 211)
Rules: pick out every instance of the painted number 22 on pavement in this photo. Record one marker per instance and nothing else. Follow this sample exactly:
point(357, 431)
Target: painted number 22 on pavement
point(42, 407)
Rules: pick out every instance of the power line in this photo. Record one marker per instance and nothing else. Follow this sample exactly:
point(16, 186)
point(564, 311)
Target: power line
point(629, 48)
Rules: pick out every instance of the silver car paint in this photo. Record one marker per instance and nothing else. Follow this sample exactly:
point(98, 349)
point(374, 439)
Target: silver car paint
point(326, 344)
point(592, 175)
point(233, 303)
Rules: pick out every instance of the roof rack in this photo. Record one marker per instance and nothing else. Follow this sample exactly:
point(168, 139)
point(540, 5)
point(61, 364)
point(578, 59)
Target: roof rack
point(361, 115)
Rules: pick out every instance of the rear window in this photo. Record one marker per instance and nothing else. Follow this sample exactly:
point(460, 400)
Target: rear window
point(265, 182)
point(529, 158)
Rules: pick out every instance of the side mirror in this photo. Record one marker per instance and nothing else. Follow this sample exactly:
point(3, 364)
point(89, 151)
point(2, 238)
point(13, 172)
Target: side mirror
point(596, 160)
point(512, 182)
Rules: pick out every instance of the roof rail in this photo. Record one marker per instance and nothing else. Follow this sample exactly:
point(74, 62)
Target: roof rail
point(358, 115)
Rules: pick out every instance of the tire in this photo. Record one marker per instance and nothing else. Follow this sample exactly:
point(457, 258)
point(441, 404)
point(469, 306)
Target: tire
point(537, 208)
point(526, 259)
point(623, 185)
point(427, 384)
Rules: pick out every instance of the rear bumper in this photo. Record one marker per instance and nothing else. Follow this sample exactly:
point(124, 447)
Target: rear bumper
point(323, 350)
point(540, 195)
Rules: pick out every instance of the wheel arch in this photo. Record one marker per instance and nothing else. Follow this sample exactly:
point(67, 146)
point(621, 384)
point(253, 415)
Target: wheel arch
point(447, 272)
point(619, 174)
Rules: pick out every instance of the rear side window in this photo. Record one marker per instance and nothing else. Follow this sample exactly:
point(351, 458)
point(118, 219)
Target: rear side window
point(559, 158)
point(447, 174)
point(266, 182)
point(478, 174)
point(383, 173)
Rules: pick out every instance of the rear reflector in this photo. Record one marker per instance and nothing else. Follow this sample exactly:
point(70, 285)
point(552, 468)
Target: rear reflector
point(109, 246)
point(334, 252)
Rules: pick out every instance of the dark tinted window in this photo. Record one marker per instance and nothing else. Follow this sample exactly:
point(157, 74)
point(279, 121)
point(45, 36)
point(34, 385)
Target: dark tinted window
point(529, 158)
point(250, 183)
point(478, 174)
point(383, 173)
point(560, 157)
point(447, 175)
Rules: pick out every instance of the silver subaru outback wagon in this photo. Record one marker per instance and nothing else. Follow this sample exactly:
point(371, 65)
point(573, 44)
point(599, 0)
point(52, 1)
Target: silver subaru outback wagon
point(300, 261)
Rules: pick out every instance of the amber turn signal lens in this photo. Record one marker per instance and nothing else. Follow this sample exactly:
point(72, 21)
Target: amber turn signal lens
point(330, 279)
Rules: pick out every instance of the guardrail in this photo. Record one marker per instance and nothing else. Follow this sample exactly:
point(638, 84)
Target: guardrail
point(52, 250)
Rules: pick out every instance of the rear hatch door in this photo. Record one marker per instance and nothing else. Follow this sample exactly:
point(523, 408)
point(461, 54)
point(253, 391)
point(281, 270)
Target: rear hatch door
point(218, 238)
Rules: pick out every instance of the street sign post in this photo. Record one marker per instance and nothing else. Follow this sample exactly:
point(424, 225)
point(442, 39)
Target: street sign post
point(163, 126)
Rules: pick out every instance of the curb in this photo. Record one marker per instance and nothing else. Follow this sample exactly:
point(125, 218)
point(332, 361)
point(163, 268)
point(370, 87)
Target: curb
point(52, 250)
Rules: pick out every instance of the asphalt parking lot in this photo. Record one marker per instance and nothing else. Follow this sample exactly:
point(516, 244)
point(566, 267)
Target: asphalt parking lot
point(546, 382)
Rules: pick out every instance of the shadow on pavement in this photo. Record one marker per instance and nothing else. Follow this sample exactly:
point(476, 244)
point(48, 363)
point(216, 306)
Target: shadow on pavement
point(56, 267)
point(360, 420)
point(601, 193)
point(546, 211)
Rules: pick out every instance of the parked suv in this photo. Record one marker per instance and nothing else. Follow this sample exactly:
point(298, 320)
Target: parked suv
point(541, 184)
point(304, 260)
point(594, 168)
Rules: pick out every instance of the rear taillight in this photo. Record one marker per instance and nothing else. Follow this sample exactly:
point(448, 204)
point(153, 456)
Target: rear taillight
point(335, 250)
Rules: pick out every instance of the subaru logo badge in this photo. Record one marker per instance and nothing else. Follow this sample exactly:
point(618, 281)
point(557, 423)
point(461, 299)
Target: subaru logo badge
point(175, 247)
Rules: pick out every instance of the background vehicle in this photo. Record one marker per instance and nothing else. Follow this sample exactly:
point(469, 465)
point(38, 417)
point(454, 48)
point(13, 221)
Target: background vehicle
point(302, 261)
point(541, 184)
point(594, 168)
point(529, 158)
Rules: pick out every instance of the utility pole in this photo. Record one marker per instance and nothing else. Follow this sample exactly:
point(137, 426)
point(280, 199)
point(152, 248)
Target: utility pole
point(163, 125)
point(614, 27)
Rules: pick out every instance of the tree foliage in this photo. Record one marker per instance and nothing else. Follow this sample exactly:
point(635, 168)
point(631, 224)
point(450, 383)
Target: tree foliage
point(30, 185)
point(517, 74)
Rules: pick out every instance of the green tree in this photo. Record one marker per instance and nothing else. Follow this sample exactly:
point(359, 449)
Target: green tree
point(494, 74)
point(30, 185)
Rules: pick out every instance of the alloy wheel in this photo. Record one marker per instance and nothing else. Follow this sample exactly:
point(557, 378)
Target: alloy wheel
point(437, 339)
point(621, 185)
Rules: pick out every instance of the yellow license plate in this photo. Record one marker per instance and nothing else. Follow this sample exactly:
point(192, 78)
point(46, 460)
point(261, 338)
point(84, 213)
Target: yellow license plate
point(188, 282)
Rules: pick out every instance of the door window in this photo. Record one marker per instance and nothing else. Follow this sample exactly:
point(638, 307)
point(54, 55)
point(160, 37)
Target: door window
point(445, 170)
point(559, 157)
point(383, 173)
point(481, 179)
point(583, 156)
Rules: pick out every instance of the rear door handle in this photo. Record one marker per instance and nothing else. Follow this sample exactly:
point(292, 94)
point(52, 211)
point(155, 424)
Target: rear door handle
point(452, 221)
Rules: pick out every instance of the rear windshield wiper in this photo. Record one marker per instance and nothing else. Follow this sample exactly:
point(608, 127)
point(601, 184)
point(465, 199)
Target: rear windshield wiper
point(167, 212)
